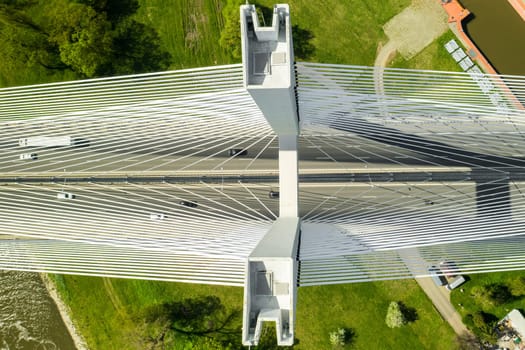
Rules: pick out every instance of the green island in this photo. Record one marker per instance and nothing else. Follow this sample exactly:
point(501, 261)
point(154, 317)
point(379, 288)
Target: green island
point(136, 314)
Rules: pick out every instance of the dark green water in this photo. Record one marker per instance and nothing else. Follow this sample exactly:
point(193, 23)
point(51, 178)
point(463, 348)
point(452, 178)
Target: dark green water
point(499, 32)
point(29, 319)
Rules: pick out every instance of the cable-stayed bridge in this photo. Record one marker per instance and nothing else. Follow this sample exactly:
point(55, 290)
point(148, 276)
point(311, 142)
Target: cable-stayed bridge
point(268, 174)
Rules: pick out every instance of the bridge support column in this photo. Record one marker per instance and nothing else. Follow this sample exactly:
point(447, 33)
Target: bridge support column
point(271, 272)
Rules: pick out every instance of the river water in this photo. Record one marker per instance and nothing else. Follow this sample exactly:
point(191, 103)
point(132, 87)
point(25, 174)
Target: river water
point(29, 318)
point(499, 32)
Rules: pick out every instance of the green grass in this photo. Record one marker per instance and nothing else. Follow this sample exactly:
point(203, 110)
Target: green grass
point(470, 304)
point(109, 317)
point(362, 307)
point(344, 32)
point(434, 57)
point(189, 30)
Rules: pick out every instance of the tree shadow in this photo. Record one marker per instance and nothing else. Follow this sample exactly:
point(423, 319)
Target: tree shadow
point(410, 313)
point(303, 47)
point(197, 317)
point(350, 336)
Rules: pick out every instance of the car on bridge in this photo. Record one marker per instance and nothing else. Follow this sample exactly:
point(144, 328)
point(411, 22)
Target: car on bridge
point(188, 204)
point(66, 195)
point(157, 216)
point(237, 152)
point(32, 156)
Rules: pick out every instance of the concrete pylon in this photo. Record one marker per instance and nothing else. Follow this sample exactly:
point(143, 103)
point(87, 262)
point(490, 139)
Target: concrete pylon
point(271, 273)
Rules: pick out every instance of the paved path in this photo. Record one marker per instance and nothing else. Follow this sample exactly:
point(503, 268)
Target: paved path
point(439, 296)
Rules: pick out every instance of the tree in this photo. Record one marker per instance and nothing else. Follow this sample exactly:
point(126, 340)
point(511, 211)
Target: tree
point(230, 39)
point(89, 37)
point(394, 316)
point(191, 321)
point(498, 293)
point(482, 325)
point(137, 49)
point(517, 286)
point(24, 42)
point(115, 10)
point(83, 37)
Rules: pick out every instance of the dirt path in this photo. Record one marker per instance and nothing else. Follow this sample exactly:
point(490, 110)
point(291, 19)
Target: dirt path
point(114, 297)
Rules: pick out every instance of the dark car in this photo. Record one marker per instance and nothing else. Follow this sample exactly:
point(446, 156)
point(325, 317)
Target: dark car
point(237, 152)
point(273, 194)
point(188, 204)
point(449, 268)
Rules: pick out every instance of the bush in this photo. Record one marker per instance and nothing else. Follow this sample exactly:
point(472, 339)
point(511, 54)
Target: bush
point(394, 316)
point(482, 325)
point(494, 294)
point(337, 338)
point(517, 286)
point(230, 39)
point(498, 293)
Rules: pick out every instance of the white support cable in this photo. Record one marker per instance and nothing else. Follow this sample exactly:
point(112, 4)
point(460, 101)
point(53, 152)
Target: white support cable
point(183, 120)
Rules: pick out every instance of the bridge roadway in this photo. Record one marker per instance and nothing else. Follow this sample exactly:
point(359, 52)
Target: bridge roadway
point(243, 200)
point(411, 175)
point(316, 154)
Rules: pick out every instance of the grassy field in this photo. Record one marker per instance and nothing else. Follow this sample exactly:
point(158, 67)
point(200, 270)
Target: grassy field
point(345, 32)
point(470, 304)
point(189, 30)
point(362, 308)
point(108, 312)
point(434, 57)
point(342, 32)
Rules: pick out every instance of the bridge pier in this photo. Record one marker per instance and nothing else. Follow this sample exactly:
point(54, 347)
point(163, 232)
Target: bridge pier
point(271, 270)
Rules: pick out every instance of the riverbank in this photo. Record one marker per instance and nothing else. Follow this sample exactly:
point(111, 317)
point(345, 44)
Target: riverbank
point(456, 15)
point(519, 6)
point(64, 312)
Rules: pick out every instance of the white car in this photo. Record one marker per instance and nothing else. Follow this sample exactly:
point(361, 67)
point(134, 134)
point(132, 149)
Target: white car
point(157, 216)
point(32, 156)
point(65, 195)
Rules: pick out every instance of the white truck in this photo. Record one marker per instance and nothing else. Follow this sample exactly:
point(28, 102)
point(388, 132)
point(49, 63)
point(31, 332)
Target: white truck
point(46, 141)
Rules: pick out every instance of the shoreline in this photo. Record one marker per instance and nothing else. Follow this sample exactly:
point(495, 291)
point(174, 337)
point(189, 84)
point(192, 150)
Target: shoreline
point(63, 309)
point(456, 15)
point(519, 6)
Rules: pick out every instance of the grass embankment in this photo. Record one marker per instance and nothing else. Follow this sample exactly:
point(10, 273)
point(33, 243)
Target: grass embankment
point(109, 312)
